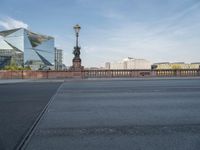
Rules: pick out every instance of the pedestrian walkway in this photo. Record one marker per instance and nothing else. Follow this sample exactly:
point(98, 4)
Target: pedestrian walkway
point(123, 114)
point(3, 81)
point(10, 81)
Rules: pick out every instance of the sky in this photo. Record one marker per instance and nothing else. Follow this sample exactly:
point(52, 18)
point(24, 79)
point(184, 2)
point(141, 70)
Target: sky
point(156, 30)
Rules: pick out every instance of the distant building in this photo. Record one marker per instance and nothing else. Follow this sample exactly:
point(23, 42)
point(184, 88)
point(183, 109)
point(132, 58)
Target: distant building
point(118, 65)
point(25, 48)
point(107, 65)
point(93, 68)
point(138, 64)
point(58, 59)
point(129, 63)
point(176, 65)
point(195, 65)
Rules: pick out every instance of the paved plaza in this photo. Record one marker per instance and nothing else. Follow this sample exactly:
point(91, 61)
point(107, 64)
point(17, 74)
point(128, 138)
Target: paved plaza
point(150, 114)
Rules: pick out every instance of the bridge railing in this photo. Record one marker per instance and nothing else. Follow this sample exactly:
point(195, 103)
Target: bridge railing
point(140, 73)
point(5, 74)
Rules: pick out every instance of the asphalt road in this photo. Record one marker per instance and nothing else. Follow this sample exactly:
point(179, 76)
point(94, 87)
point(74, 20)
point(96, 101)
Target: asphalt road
point(20, 104)
point(122, 115)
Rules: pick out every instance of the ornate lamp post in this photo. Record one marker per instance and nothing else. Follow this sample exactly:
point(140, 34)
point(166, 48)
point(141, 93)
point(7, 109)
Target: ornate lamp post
point(76, 60)
point(76, 51)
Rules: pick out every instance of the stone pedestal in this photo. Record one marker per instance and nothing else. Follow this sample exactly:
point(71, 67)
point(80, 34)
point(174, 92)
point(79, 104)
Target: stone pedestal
point(76, 68)
point(76, 65)
point(77, 75)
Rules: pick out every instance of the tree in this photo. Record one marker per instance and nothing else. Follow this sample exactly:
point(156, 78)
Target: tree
point(14, 67)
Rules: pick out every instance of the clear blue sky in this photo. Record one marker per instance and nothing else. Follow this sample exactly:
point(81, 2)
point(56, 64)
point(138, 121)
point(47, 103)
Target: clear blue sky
point(156, 30)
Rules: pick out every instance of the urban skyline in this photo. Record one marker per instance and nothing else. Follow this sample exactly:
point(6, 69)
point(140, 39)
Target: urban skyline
point(154, 30)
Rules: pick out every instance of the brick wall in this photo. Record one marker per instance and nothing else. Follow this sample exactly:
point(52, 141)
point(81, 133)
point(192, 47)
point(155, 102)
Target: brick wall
point(35, 74)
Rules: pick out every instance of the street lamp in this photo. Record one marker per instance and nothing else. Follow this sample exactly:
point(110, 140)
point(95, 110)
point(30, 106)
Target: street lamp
point(76, 51)
point(77, 29)
point(76, 60)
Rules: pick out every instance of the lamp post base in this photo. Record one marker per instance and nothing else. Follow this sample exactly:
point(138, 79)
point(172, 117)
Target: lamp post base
point(76, 66)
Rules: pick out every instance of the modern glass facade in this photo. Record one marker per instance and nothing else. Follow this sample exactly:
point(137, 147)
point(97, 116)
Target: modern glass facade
point(25, 48)
point(58, 59)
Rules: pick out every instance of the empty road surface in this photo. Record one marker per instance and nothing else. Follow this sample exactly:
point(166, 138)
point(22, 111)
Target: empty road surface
point(139, 114)
point(20, 105)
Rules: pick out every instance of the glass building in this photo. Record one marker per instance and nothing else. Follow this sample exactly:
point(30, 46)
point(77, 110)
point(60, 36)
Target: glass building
point(58, 59)
point(25, 48)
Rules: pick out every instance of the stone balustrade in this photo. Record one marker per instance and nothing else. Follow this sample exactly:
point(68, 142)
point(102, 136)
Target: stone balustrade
point(4, 74)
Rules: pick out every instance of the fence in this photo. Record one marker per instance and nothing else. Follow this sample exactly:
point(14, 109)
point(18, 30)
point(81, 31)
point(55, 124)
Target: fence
point(140, 73)
point(4, 74)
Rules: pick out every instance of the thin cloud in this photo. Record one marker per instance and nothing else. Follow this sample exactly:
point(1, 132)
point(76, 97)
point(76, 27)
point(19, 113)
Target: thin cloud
point(10, 23)
point(113, 15)
point(175, 22)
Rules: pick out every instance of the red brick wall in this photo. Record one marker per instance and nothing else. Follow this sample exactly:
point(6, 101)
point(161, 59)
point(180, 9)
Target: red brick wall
point(4, 74)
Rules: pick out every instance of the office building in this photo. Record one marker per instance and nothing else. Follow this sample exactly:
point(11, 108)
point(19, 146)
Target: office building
point(176, 65)
point(25, 48)
point(107, 65)
point(58, 59)
point(129, 63)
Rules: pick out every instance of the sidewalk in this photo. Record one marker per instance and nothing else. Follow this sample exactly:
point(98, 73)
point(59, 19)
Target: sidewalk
point(11, 81)
point(8, 81)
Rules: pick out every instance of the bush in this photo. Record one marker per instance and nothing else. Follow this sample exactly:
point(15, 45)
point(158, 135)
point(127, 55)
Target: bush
point(15, 67)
